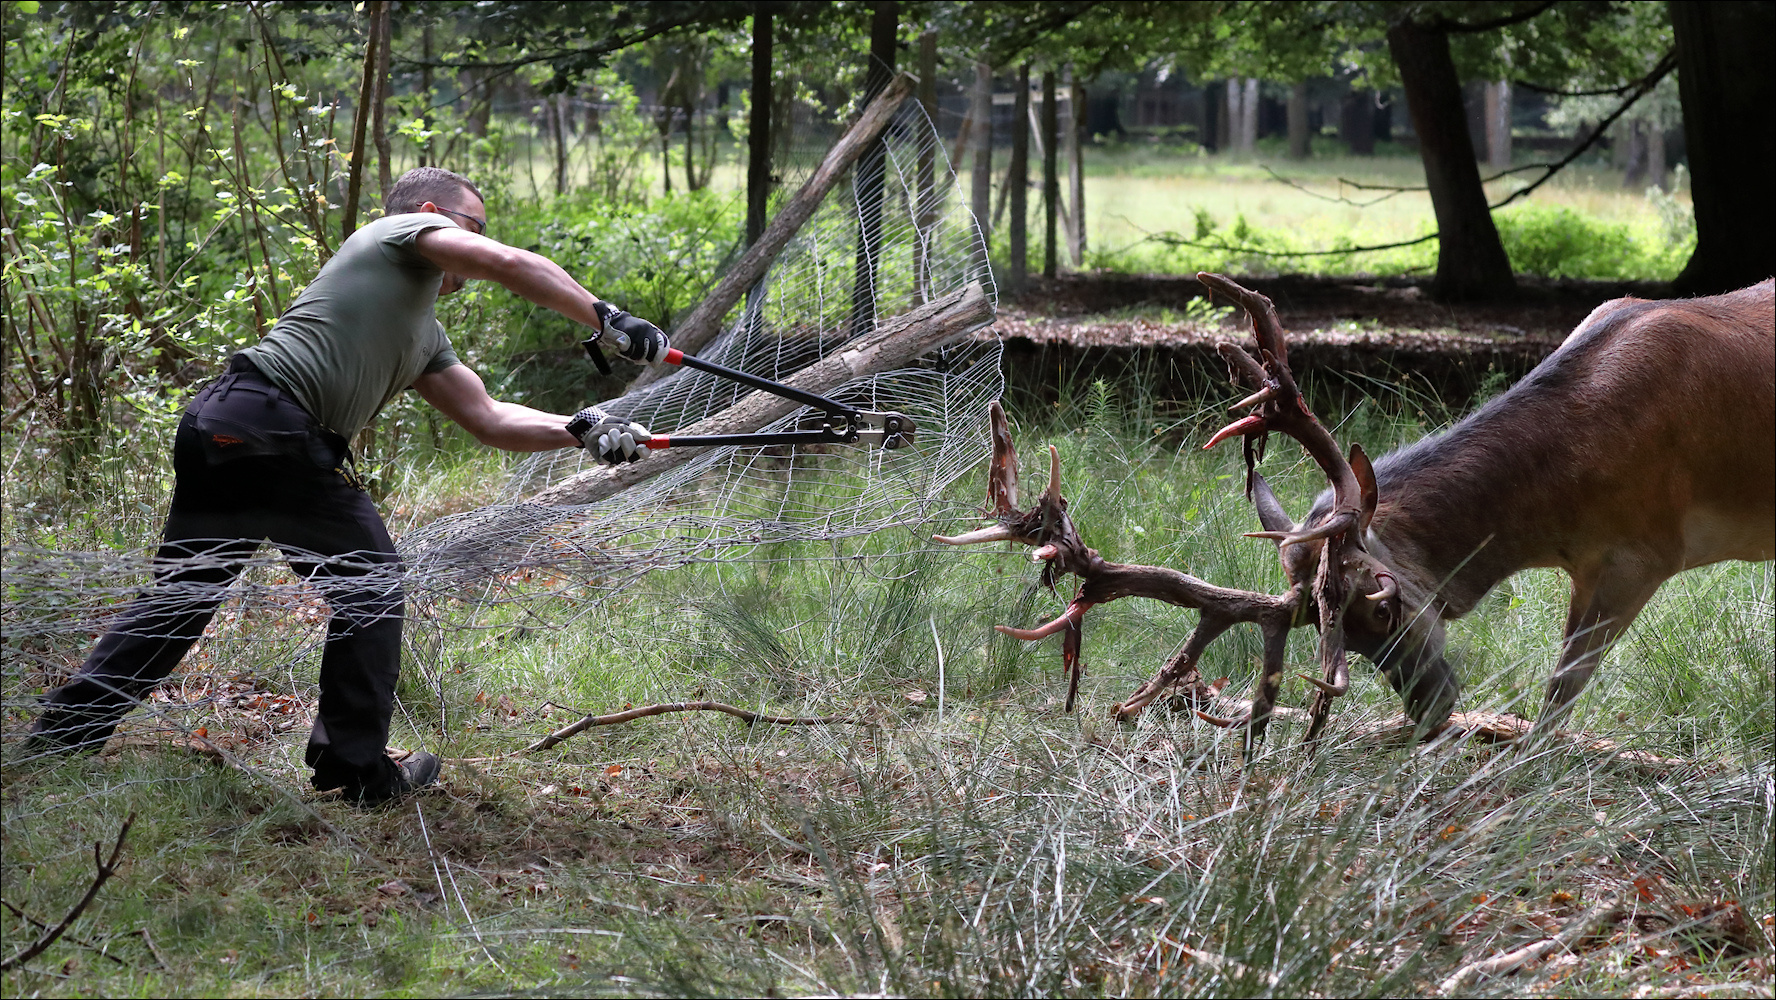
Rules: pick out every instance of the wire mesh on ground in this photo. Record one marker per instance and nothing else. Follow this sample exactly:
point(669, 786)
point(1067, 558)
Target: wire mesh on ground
point(823, 292)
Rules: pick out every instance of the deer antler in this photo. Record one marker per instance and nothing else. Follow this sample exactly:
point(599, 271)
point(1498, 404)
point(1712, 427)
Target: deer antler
point(1061, 551)
point(1276, 405)
point(1279, 406)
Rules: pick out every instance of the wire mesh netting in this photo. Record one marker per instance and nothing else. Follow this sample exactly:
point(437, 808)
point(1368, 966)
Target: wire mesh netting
point(831, 285)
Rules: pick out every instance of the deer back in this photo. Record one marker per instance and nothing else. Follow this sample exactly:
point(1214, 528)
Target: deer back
point(1653, 425)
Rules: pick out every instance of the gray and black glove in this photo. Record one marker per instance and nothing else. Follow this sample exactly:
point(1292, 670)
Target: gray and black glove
point(633, 337)
point(612, 439)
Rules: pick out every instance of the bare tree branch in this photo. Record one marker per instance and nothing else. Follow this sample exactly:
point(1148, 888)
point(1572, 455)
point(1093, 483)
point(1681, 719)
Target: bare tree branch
point(568, 732)
point(1454, 27)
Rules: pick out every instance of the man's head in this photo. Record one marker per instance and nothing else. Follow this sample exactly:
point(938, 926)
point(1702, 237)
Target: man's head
point(434, 189)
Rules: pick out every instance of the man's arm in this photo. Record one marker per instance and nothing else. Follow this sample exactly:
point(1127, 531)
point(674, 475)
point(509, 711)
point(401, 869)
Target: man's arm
point(459, 394)
point(528, 275)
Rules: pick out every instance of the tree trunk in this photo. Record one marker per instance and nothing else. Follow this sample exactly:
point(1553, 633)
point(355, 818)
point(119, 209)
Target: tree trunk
point(871, 168)
point(1051, 174)
point(480, 108)
point(1248, 122)
point(1634, 155)
point(1017, 182)
point(1471, 262)
point(926, 213)
point(1356, 122)
point(758, 126)
point(361, 125)
point(1655, 156)
point(1498, 124)
point(1725, 84)
point(690, 111)
point(981, 138)
point(1230, 130)
point(1218, 104)
point(557, 112)
point(425, 88)
point(379, 125)
point(1076, 169)
point(1299, 147)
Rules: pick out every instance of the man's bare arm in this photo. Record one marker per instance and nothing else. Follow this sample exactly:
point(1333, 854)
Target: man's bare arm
point(528, 275)
point(459, 394)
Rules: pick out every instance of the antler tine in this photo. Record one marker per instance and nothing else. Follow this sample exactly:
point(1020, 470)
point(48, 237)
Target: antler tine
point(1244, 369)
point(1265, 326)
point(1002, 490)
point(1384, 576)
point(1002, 470)
point(1284, 409)
point(1069, 618)
point(991, 533)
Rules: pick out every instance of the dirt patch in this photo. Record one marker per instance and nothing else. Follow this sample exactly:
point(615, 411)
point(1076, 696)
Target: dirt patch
point(1344, 332)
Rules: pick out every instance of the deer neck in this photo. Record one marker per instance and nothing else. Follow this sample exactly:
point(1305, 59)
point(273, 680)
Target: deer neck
point(1462, 511)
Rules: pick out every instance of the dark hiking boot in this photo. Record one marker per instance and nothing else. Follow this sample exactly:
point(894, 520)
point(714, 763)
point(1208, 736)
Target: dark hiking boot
point(64, 734)
point(418, 770)
point(411, 771)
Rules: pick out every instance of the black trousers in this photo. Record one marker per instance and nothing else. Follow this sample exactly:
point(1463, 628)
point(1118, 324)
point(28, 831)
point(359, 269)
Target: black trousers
point(253, 466)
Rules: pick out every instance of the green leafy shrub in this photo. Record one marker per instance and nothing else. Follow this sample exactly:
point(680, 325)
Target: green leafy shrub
point(1558, 242)
point(656, 260)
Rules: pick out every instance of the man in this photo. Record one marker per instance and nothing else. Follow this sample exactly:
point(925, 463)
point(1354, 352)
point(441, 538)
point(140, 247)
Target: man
point(262, 455)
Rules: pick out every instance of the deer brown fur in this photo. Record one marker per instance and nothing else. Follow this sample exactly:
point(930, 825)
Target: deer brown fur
point(1644, 446)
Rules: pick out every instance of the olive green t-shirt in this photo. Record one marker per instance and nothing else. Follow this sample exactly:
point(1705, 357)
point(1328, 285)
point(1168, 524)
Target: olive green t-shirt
point(364, 329)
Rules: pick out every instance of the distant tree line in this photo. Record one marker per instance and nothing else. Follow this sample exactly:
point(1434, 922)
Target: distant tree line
point(174, 172)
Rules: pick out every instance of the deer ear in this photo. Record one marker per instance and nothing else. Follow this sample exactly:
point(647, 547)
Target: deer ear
point(1002, 468)
point(1365, 473)
point(1270, 511)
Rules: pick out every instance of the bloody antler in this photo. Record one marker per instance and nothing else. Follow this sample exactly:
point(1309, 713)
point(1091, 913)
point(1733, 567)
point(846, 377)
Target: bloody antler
point(1279, 406)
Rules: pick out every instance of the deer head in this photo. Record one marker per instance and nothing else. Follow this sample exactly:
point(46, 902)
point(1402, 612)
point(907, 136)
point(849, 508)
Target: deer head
point(1334, 551)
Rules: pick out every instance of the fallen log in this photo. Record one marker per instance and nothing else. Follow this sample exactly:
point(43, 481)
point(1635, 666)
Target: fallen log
point(895, 343)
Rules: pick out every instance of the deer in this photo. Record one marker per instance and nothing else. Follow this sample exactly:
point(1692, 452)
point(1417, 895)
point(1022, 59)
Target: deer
point(1643, 446)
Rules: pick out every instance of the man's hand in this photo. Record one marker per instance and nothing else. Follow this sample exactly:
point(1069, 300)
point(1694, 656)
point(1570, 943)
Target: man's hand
point(633, 337)
point(612, 439)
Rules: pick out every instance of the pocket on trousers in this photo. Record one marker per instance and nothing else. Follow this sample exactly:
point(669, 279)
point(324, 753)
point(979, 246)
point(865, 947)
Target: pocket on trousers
point(224, 440)
point(242, 417)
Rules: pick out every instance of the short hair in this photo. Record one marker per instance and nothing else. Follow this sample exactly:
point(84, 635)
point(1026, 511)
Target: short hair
point(423, 184)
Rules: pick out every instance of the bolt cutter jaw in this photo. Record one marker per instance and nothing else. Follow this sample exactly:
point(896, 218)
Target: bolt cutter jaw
point(884, 430)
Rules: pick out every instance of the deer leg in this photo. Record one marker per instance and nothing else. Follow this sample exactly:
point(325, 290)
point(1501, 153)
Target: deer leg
point(1605, 602)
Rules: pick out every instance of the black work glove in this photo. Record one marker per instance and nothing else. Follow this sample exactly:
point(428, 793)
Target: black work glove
point(613, 439)
point(633, 337)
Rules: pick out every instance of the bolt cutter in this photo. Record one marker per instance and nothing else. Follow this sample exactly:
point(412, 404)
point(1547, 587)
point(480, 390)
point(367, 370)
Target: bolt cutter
point(842, 424)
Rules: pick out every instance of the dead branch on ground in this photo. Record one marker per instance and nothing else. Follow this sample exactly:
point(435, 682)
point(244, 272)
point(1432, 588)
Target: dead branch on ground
point(106, 869)
point(568, 732)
